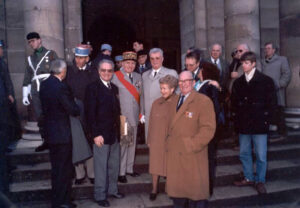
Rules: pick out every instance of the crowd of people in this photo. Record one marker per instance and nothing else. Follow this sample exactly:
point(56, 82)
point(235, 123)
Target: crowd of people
point(92, 113)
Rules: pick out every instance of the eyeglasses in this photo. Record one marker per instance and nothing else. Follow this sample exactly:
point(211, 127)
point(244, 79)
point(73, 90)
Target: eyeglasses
point(185, 81)
point(186, 65)
point(239, 51)
point(107, 70)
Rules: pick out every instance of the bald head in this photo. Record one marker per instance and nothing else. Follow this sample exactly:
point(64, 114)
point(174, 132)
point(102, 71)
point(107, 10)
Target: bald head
point(186, 82)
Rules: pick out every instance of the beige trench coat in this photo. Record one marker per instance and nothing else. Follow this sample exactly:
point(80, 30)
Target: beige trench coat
point(158, 127)
point(190, 131)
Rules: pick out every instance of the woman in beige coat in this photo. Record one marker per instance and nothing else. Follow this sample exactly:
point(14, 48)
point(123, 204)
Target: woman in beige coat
point(158, 126)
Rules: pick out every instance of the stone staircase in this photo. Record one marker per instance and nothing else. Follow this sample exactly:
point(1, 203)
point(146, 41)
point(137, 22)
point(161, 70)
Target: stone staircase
point(30, 181)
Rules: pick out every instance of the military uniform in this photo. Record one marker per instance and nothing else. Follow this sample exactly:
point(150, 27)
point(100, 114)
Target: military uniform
point(37, 70)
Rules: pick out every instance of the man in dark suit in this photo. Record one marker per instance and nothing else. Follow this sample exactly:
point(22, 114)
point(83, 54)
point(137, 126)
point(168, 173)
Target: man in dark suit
point(216, 58)
point(192, 63)
point(102, 109)
point(57, 105)
point(143, 63)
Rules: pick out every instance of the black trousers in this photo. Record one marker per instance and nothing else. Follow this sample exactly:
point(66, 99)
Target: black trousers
point(61, 173)
point(188, 203)
point(4, 139)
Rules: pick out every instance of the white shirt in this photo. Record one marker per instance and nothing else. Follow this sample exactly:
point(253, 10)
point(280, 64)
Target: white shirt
point(105, 82)
point(153, 71)
point(83, 68)
point(250, 75)
point(195, 72)
point(213, 60)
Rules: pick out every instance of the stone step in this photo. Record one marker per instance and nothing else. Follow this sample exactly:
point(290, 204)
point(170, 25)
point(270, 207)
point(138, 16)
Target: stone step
point(31, 126)
point(279, 191)
point(225, 174)
point(277, 150)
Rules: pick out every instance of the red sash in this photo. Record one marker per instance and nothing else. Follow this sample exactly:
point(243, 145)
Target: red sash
point(133, 91)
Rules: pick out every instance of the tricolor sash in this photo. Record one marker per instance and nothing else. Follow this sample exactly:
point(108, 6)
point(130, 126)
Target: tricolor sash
point(133, 91)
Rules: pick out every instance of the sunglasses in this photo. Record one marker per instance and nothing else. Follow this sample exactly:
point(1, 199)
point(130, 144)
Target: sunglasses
point(107, 70)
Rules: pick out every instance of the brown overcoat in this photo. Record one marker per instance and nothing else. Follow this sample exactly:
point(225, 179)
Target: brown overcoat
point(158, 129)
point(190, 131)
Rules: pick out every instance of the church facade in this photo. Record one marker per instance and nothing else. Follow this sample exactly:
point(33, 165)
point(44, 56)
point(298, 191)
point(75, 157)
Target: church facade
point(173, 25)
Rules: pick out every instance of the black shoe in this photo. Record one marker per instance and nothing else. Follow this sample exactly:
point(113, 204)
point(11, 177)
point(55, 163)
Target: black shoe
point(117, 195)
point(79, 181)
point(8, 150)
point(92, 180)
point(134, 174)
point(122, 179)
point(42, 147)
point(71, 205)
point(152, 196)
point(103, 203)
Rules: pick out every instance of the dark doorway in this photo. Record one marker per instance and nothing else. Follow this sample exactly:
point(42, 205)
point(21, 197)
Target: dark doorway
point(120, 22)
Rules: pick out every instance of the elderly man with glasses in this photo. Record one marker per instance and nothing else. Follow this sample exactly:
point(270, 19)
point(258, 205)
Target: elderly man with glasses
point(102, 110)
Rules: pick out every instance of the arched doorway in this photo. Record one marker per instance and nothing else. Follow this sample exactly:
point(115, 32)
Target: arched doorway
point(120, 22)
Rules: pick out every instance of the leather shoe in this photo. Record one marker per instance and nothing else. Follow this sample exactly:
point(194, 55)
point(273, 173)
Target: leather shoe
point(117, 195)
point(260, 188)
point(243, 182)
point(70, 205)
point(42, 147)
point(79, 181)
point(122, 179)
point(92, 180)
point(152, 196)
point(103, 203)
point(134, 174)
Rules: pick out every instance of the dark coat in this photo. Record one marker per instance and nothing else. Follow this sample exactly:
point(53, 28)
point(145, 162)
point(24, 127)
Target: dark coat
point(57, 105)
point(77, 79)
point(253, 103)
point(147, 67)
point(224, 73)
point(102, 110)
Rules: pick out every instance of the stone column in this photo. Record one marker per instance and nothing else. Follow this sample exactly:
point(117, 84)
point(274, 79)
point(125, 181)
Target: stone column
point(46, 18)
point(72, 26)
point(200, 25)
point(192, 25)
point(242, 25)
point(269, 23)
point(290, 46)
point(215, 22)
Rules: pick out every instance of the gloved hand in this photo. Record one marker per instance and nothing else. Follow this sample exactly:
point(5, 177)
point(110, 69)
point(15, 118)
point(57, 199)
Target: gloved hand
point(26, 94)
point(142, 119)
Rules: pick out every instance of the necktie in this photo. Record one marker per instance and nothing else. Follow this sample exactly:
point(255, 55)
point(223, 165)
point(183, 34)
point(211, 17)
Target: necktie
point(154, 74)
point(142, 68)
point(215, 61)
point(108, 85)
point(131, 78)
point(180, 102)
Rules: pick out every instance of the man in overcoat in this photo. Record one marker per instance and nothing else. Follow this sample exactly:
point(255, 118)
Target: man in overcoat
point(151, 87)
point(57, 105)
point(277, 67)
point(79, 76)
point(102, 109)
point(191, 128)
point(253, 101)
point(129, 84)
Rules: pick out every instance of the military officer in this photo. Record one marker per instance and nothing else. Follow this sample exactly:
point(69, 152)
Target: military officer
point(37, 70)
point(130, 89)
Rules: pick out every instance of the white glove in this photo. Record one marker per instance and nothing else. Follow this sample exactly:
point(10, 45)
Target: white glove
point(142, 119)
point(26, 93)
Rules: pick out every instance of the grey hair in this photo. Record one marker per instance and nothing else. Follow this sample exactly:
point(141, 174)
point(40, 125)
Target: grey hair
point(170, 80)
point(245, 45)
point(210, 48)
point(156, 50)
point(106, 61)
point(57, 66)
